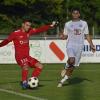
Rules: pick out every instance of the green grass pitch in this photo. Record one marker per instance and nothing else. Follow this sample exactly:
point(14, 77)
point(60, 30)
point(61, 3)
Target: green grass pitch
point(83, 85)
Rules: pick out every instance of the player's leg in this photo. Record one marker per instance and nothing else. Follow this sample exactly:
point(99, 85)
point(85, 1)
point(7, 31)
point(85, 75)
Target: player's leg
point(24, 77)
point(23, 63)
point(34, 63)
point(72, 63)
point(63, 71)
point(69, 70)
point(38, 69)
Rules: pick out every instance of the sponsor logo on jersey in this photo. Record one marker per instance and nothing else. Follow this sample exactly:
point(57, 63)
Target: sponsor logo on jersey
point(23, 42)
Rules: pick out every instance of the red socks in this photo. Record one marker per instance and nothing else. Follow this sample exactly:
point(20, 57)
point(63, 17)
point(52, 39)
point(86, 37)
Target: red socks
point(24, 75)
point(36, 72)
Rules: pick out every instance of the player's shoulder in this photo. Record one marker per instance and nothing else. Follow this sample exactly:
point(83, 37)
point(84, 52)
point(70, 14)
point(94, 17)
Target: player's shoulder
point(67, 23)
point(16, 31)
point(83, 21)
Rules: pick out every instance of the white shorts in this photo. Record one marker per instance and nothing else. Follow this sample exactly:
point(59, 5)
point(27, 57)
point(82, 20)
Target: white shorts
point(74, 51)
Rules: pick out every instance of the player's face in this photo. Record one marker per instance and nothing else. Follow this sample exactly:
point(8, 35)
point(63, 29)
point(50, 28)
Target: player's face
point(75, 14)
point(26, 26)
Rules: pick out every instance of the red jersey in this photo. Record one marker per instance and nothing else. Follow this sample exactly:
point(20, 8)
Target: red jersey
point(21, 40)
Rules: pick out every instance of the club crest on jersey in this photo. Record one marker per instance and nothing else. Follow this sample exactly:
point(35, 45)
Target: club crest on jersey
point(77, 31)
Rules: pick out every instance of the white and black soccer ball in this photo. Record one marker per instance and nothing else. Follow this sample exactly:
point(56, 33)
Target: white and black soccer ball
point(33, 82)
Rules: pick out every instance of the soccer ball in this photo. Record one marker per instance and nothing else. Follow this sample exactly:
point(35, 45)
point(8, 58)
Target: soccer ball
point(33, 82)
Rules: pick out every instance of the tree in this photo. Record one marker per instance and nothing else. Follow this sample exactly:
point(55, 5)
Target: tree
point(44, 11)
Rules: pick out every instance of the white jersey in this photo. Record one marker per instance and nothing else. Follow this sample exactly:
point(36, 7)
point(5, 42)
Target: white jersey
point(76, 31)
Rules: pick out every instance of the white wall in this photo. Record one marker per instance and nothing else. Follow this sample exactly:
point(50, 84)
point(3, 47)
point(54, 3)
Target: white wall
point(41, 50)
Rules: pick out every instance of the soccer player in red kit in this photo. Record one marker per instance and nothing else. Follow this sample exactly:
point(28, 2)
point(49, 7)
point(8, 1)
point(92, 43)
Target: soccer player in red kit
point(20, 39)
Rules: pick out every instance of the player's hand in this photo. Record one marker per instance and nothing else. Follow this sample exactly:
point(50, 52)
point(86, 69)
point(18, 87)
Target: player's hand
point(62, 36)
point(93, 48)
point(54, 23)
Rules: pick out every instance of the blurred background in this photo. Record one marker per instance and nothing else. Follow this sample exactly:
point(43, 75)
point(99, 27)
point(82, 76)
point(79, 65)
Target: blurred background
point(41, 12)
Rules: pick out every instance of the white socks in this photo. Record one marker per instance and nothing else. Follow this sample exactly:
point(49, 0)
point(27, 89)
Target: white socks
point(64, 79)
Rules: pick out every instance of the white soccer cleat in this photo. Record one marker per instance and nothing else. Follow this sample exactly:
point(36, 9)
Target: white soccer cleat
point(59, 85)
point(63, 72)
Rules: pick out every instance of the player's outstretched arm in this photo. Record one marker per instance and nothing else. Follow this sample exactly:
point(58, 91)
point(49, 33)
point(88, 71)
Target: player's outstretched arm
point(4, 42)
point(43, 28)
point(91, 43)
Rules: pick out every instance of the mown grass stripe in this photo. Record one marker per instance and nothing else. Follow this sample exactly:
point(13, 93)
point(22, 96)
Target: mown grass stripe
point(22, 95)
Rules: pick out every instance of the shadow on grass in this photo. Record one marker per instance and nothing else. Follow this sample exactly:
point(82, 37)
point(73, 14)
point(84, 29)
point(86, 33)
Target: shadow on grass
point(76, 80)
point(36, 88)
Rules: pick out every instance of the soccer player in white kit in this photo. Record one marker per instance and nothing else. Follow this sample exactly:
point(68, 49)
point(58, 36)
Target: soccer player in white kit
point(75, 31)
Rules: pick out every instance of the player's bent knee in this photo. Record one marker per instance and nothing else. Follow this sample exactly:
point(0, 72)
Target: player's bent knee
point(25, 67)
point(39, 65)
point(71, 62)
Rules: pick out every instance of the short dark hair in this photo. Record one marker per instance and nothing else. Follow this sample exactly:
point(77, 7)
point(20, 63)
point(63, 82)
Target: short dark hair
point(75, 9)
point(27, 20)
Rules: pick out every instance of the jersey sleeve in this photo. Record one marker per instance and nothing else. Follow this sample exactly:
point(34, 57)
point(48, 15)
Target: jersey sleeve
point(6, 41)
point(86, 30)
point(39, 30)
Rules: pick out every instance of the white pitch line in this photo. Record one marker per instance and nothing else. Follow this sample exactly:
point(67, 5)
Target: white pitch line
point(21, 94)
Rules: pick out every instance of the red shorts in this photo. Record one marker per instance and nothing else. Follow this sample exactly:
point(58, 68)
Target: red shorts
point(26, 61)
